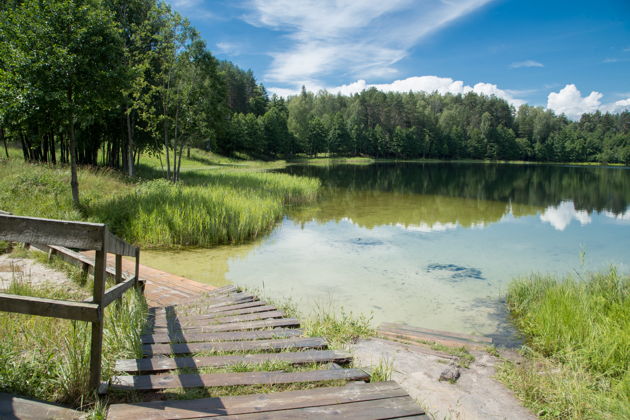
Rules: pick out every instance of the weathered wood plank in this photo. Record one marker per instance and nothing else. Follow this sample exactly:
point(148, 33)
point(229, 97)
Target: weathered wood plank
point(116, 292)
point(15, 407)
point(155, 382)
point(243, 404)
point(166, 363)
point(239, 311)
point(215, 302)
point(115, 245)
point(410, 330)
point(197, 323)
point(252, 345)
point(237, 326)
point(220, 336)
point(65, 309)
point(54, 232)
point(360, 410)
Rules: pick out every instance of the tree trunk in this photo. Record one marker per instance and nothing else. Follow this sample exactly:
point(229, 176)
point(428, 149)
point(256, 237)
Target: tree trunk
point(168, 156)
point(74, 181)
point(53, 152)
point(129, 145)
point(4, 140)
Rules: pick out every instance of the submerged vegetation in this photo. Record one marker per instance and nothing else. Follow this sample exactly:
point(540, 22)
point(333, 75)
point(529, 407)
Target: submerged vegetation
point(48, 358)
point(577, 357)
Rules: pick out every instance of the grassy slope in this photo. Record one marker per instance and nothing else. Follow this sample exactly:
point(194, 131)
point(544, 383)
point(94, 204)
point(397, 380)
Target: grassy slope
point(578, 346)
point(219, 201)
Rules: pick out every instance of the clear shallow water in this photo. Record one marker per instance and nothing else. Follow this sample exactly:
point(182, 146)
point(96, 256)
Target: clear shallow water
point(432, 245)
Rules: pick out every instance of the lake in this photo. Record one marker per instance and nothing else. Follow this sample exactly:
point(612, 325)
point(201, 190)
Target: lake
point(430, 244)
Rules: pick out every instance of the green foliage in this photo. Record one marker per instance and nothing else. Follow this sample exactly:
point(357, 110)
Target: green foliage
point(337, 326)
point(578, 336)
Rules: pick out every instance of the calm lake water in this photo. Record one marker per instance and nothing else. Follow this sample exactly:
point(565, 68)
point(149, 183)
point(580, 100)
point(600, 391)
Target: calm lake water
point(429, 244)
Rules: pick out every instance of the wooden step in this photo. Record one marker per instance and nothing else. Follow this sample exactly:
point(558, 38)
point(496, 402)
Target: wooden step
point(166, 363)
point(191, 324)
point(235, 326)
point(221, 336)
point(253, 345)
point(438, 333)
point(194, 380)
point(239, 311)
point(258, 403)
point(211, 302)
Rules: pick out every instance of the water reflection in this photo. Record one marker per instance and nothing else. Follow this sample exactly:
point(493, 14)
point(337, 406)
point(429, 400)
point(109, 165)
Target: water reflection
point(434, 245)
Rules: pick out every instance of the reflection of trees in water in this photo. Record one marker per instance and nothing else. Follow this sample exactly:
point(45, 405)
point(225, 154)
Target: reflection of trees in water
point(590, 188)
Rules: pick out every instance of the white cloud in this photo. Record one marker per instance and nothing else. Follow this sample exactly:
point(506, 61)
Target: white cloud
point(231, 48)
point(362, 39)
point(625, 216)
point(569, 101)
point(561, 216)
point(196, 7)
point(427, 84)
point(526, 63)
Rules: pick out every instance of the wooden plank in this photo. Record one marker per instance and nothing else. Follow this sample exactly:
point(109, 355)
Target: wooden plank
point(209, 303)
point(34, 230)
point(116, 292)
point(443, 334)
point(251, 345)
point(198, 323)
point(237, 326)
point(419, 340)
point(239, 311)
point(15, 407)
point(79, 311)
point(166, 363)
point(220, 336)
point(115, 245)
point(193, 380)
point(360, 410)
point(96, 343)
point(221, 308)
point(243, 404)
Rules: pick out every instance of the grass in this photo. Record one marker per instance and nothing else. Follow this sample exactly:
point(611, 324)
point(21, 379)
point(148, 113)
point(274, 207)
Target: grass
point(48, 358)
point(577, 358)
point(208, 207)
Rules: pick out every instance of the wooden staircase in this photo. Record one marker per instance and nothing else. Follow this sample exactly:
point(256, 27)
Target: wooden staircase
point(230, 328)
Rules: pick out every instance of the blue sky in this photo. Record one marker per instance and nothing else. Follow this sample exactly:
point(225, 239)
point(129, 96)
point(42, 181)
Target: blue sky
point(570, 56)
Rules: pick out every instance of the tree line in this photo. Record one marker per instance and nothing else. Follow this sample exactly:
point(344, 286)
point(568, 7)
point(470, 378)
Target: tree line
point(100, 82)
point(428, 125)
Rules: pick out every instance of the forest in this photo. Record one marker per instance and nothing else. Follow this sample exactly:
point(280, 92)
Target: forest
point(100, 82)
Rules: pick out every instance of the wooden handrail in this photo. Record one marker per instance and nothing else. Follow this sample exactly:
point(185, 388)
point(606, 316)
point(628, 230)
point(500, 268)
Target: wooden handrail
point(55, 237)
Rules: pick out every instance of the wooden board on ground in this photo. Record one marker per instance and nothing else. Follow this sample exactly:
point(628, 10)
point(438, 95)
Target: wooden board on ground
point(264, 403)
point(196, 380)
point(221, 336)
point(233, 346)
point(166, 363)
point(397, 331)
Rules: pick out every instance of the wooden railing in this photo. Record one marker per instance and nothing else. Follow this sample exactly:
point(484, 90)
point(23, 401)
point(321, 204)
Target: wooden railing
point(56, 237)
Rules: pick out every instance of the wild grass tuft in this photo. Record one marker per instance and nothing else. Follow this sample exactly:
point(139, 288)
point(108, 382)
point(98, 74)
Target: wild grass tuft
point(48, 358)
point(578, 345)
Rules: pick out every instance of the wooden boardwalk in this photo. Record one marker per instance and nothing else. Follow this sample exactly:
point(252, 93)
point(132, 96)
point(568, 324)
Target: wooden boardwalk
point(226, 327)
point(161, 288)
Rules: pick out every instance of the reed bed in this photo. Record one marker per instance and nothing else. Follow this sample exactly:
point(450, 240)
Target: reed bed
point(578, 345)
point(207, 208)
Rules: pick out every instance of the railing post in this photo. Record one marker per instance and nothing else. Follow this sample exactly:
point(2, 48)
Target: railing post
point(96, 349)
point(118, 268)
point(138, 270)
